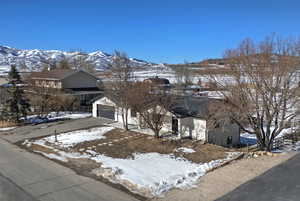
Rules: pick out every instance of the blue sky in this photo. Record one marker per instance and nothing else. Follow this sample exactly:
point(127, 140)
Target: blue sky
point(168, 31)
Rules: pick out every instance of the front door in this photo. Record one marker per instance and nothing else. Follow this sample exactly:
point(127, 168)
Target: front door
point(174, 125)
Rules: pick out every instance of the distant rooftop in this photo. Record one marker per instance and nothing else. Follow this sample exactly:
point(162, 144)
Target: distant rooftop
point(57, 74)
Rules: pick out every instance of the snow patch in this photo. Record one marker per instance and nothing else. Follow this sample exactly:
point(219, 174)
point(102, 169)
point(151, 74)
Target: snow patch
point(157, 172)
point(7, 128)
point(185, 150)
point(70, 139)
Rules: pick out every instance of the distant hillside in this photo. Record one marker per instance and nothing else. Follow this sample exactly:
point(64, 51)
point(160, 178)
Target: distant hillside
point(34, 60)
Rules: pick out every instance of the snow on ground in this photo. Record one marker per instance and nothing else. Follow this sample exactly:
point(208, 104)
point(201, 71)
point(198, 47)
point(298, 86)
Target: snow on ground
point(288, 148)
point(185, 150)
point(150, 173)
point(7, 128)
point(67, 115)
point(70, 139)
point(53, 116)
point(250, 139)
point(157, 172)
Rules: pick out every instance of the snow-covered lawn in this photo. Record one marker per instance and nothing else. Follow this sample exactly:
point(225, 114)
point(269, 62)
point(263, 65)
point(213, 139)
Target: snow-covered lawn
point(69, 139)
point(7, 128)
point(150, 174)
point(157, 173)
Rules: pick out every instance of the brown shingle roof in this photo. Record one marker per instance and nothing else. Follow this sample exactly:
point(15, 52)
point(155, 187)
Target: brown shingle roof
point(57, 74)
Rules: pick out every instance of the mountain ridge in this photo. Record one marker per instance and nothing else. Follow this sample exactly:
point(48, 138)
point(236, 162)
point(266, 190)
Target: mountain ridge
point(35, 59)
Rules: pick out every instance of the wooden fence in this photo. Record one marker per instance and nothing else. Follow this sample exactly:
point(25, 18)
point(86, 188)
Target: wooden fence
point(284, 140)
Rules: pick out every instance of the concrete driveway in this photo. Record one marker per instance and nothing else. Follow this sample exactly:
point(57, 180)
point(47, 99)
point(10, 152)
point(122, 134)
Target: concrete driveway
point(29, 177)
point(281, 183)
point(31, 131)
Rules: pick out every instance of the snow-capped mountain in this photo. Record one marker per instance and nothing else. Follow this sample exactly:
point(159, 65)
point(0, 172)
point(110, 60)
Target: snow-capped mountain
point(34, 60)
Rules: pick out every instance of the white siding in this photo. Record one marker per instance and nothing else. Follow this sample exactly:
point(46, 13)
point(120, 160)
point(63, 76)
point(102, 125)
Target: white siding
point(118, 114)
point(196, 128)
point(102, 101)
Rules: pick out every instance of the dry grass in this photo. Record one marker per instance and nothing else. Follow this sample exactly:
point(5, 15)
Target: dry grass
point(140, 143)
point(43, 149)
point(5, 124)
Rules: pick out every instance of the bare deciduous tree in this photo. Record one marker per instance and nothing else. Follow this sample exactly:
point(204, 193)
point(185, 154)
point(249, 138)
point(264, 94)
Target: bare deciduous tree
point(183, 74)
point(121, 80)
point(80, 62)
point(151, 107)
point(261, 90)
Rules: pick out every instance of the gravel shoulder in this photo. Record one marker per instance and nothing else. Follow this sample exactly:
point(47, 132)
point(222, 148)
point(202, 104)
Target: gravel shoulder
point(223, 180)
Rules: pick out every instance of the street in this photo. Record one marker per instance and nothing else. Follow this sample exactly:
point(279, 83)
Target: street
point(29, 177)
point(281, 183)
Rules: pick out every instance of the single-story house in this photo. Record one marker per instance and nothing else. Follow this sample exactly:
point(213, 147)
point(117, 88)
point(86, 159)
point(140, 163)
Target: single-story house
point(187, 118)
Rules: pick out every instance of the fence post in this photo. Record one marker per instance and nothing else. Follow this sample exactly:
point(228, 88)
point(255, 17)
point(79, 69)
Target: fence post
point(55, 135)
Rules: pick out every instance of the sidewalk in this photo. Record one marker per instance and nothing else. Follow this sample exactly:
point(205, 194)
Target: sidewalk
point(26, 176)
point(223, 180)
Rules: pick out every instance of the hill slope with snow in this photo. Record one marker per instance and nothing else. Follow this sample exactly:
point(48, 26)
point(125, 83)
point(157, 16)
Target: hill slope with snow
point(34, 60)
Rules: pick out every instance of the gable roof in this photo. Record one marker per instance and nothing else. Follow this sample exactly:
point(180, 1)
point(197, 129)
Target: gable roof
point(187, 106)
point(57, 74)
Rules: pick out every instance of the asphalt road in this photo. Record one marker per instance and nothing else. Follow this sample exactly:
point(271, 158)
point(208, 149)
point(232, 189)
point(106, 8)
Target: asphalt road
point(281, 183)
point(29, 177)
point(11, 191)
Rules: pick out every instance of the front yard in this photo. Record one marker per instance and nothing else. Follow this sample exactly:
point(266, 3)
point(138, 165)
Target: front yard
point(139, 162)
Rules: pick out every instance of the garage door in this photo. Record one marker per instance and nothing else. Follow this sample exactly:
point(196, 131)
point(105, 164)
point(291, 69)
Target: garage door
point(106, 111)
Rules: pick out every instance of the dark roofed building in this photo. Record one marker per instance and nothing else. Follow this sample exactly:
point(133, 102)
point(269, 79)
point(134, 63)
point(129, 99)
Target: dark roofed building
point(66, 79)
point(158, 81)
point(79, 83)
point(57, 74)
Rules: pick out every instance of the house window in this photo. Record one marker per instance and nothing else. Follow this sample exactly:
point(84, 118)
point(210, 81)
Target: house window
point(229, 140)
point(133, 113)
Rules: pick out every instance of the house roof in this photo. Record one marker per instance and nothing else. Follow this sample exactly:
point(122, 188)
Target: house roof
point(157, 80)
point(57, 74)
point(188, 106)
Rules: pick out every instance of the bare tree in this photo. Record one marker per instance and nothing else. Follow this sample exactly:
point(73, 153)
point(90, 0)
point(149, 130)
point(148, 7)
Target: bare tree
point(261, 90)
point(121, 80)
point(151, 107)
point(40, 99)
point(64, 64)
point(183, 74)
point(80, 62)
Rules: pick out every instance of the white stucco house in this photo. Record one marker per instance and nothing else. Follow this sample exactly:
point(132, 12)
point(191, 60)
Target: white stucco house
point(185, 119)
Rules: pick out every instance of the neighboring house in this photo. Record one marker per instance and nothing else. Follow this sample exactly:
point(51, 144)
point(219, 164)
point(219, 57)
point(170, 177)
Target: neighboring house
point(158, 83)
point(187, 118)
point(79, 83)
